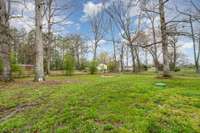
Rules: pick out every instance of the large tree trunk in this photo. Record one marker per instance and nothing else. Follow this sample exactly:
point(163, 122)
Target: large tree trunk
point(5, 56)
point(114, 51)
point(196, 57)
point(166, 69)
point(48, 54)
point(78, 58)
point(4, 37)
point(133, 58)
point(39, 65)
point(174, 57)
point(156, 62)
point(127, 56)
point(146, 57)
point(122, 59)
point(138, 59)
point(95, 52)
point(48, 65)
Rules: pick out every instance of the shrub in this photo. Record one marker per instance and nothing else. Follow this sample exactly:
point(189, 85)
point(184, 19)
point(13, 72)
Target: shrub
point(17, 69)
point(113, 66)
point(174, 68)
point(83, 65)
point(177, 69)
point(144, 67)
point(93, 67)
point(69, 64)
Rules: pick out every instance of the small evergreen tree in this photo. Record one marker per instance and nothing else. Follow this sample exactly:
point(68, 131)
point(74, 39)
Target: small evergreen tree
point(93, 67)
point(69, 64)
point(113, 66)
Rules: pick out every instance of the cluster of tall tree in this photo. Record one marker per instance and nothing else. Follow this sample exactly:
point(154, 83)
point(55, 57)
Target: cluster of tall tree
point(130, 18)
point(37, 42)
point(132, 27)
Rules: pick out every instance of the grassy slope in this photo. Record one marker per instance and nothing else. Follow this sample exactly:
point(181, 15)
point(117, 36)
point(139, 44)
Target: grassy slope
point(123, 103)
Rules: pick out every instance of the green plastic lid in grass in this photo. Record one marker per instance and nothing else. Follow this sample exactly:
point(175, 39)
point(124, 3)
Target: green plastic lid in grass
point(160, 84)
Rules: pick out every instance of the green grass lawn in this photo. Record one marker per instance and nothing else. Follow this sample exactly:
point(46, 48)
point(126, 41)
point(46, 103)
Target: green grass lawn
point(88, 104)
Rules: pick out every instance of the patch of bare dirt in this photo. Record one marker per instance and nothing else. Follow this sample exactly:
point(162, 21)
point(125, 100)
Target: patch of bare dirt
point(108, 75)
point(163, 77)
point(7, 113)
point(35, 85)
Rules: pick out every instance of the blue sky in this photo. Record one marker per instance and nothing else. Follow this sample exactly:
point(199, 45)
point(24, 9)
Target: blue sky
point(76, 24)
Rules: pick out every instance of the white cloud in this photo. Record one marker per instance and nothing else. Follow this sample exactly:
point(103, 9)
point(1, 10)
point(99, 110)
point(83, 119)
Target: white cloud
point(27, 21)
point(187, 45)
point(24, 20)
point(91, 9)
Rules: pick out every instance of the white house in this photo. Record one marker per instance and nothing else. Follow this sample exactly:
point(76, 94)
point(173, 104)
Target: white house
point(102, 67)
